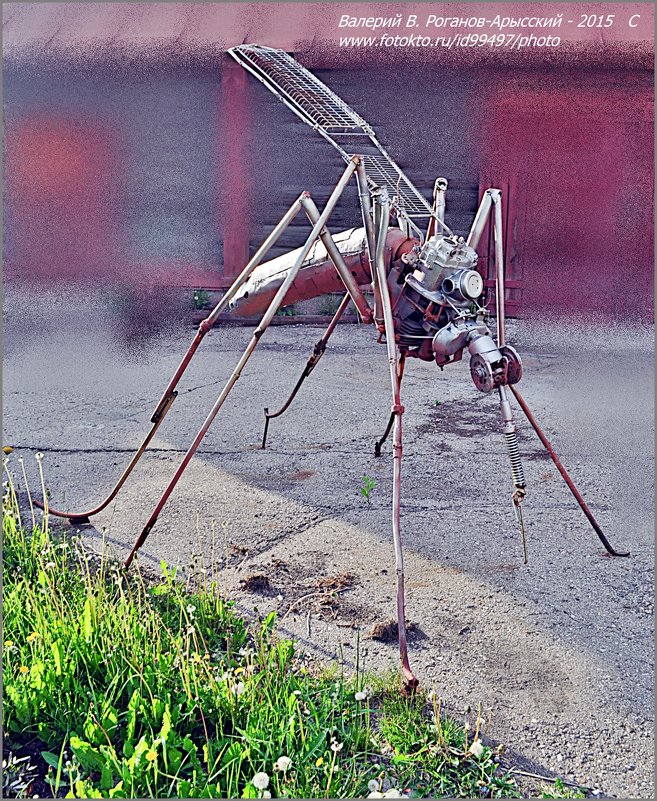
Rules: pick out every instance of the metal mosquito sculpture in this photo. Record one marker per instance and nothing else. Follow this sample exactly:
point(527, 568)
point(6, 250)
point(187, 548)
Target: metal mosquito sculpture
point(427, 294)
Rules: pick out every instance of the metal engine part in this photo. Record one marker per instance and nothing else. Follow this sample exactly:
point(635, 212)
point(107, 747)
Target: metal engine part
point(492, 366)
point(438, 312)
point(440, 257)
point(463, 284)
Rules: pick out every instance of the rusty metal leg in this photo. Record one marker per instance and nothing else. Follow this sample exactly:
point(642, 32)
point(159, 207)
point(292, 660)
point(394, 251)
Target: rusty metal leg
point(380, 443)
point(318, 352)
point(410, 681)
point(170, 393)
point(565, 476)
point(357, 296)
point(259, 331)
point(519, 485)
point(370, 227)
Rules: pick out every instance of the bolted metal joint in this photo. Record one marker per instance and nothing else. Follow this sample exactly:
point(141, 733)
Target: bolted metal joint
point(204, 326)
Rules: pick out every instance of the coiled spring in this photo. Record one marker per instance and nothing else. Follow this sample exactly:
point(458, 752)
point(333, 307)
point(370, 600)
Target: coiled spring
point(514, 454)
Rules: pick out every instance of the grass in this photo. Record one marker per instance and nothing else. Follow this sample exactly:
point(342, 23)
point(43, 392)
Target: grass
point(126, 686)
point(367, 487)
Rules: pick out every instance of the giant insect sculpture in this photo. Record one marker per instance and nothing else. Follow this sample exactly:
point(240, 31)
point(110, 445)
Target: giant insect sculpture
point(427, 293)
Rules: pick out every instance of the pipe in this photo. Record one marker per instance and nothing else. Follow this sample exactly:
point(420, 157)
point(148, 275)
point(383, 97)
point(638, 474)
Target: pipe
point(259, 331)
point(338, 260)
point(410, 681)
point(479, 223)
point(496, 197)
point(565, 476)
point(170, 394)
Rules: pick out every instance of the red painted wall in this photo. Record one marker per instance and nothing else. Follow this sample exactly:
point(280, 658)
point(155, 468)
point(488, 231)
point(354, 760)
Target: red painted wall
point(61, 197)
point(581, 155)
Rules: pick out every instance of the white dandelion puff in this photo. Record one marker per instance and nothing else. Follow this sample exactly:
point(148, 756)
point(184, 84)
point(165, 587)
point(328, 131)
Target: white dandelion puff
point(260, 781)
point(282, 763)
point(476, 748)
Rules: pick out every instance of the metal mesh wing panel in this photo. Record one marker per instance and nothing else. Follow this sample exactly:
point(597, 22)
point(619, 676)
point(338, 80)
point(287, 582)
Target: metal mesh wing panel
point(330, 116)
point(285, 76)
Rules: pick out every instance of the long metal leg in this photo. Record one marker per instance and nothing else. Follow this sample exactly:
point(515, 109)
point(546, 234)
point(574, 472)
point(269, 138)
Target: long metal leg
point(170, 393)
point(494, 197)
point(354, 293)
point(480, 220)
point(259, 331)
point(380, 443)
point(438, 208)
point(318, 352)
point(338, 260)
point(410, 681)
point(565, 476)
point(370, 227)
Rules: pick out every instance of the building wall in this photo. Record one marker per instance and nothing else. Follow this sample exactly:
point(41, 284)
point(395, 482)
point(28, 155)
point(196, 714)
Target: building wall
point(173, 174)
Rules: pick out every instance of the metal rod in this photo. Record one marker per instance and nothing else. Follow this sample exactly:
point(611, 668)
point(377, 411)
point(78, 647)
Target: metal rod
point(366, 212)
point(338, 260)
point(480, 220)
point(169, 395)
point(259, 331)
point(565, 476)
point(318, 352)
point(510, 435)
point(496, 197)
point(410, 681)
point(438, 215)
point(83, 517)
point(379, 444)
point(378, 303)
point(370, 226)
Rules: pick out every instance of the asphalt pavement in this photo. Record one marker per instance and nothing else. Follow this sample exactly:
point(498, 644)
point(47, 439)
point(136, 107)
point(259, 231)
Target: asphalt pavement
point(561, 649)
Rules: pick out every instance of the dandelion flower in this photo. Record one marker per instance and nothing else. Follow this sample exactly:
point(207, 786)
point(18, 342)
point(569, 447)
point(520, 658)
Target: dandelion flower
point(336, 746)
point(260, 781)
point(282, 763)
point(33, 636)
point(9, 644)
point(151, 755)
point(476, 749)
point(24, 669)
point(319, 762)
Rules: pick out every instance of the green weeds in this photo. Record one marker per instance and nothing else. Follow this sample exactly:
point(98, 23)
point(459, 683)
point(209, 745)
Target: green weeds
point(559, 790)
point(134, 687)
point(367, 487)
point(201, 299)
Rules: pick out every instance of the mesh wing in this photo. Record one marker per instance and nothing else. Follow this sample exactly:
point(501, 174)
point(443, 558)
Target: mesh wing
point(331, 117)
